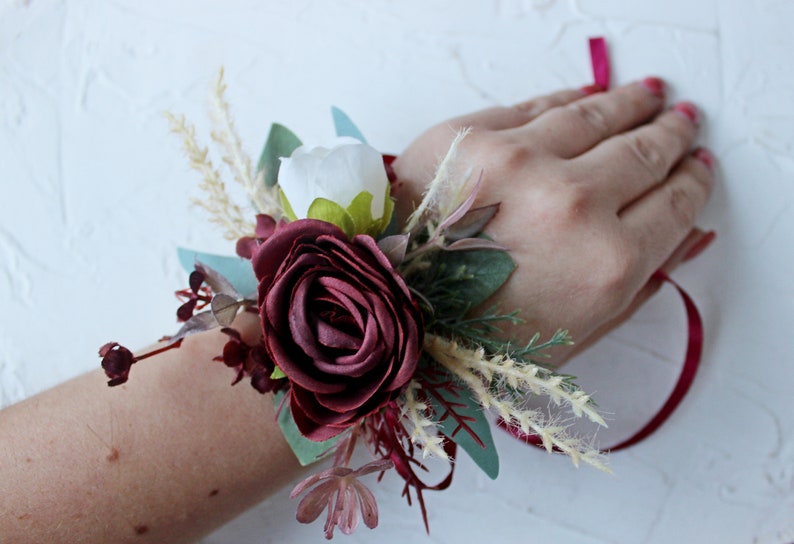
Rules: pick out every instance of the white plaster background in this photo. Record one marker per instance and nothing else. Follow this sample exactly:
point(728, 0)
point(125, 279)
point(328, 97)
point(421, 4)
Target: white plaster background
point(95, 198)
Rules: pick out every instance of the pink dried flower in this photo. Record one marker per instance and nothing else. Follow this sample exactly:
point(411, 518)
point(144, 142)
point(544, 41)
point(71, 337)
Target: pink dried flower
point(340, 492)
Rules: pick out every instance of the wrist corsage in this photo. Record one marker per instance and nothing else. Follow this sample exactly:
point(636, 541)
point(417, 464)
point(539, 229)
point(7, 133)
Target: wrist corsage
point(368, 333)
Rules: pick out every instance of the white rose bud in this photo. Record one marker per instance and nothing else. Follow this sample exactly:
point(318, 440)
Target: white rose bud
point(338, 173)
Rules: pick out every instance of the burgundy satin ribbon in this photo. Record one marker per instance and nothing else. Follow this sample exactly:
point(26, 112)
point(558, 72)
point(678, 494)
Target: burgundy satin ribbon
point(688, 371)
point(601, 74)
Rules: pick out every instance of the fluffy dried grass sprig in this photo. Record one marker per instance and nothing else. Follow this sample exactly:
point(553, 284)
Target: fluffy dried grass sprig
point(219, 206)
point(264, 199)
point(424, 432)
point(448, 189)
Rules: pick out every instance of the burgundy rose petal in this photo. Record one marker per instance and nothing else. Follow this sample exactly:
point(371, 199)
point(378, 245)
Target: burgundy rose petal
point(265, 226)
point(332, 337)
point(246, 246)
point(339, 322)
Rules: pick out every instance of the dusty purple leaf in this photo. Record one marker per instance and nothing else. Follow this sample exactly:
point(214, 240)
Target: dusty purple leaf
point(469, 244)
point(461, 210)
point(217, 282)
point(394, 248)
point(198, 323)
point(224, 308)
point(472, 223)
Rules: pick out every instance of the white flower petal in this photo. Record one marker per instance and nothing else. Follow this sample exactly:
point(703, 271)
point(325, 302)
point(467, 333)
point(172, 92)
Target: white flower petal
point(338, 173)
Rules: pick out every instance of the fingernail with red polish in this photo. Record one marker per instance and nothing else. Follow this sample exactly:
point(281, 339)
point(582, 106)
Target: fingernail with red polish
point(704, 155)
point(654, 85)
point(587, 90)
point(704, 242)
point(688, 110)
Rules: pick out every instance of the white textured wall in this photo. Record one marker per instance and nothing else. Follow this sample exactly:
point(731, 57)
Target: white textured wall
point(95, 198)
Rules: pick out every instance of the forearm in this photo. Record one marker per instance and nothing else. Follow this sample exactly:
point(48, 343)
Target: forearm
point(167, 457)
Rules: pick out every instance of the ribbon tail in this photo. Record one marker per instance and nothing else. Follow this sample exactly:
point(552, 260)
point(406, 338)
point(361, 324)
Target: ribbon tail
point(599, 58)
point(689, 370)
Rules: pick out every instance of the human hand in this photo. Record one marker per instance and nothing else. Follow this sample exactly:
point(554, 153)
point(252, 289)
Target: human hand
point(597, 191)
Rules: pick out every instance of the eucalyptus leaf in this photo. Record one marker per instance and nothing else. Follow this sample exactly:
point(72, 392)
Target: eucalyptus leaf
point(238, 271)
point(281, 142)
point(344, 126)
point(484, 272)
point(468, 412)
point(304, 449)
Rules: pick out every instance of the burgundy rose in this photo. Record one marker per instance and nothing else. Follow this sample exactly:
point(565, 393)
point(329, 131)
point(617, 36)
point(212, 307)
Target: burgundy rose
point(339, 322)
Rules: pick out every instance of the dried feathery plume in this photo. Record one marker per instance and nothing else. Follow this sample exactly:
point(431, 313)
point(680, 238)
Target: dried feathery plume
point(523, 376)
point(263, 198)
point(446, 191)
point(423, 430)
point(221, 209)
point(487, 378)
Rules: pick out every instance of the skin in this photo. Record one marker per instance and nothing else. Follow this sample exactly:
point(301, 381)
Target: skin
point(597, 191)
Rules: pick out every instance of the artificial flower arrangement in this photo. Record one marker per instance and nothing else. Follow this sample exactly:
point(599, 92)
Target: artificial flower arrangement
point(367, 329)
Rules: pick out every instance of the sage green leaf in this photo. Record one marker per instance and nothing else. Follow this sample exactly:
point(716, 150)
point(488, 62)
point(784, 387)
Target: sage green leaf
point(388, 216)
point(484, 272)
point(331, 212)
point(236, 270)
point(286, 206)
point(360, 211)
point(281, 142)
point(304, 449)
point(468, 418)
point(344, 126)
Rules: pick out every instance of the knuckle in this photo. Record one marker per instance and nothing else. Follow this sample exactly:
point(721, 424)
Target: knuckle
point(563, 202)
point(530, 107)
point(703, 177)
point(593, 117)
point(648, 154)
point(508, 156)
point(684, 205)
point(614, 275)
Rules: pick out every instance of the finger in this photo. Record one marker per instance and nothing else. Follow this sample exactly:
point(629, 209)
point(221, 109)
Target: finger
point(625, 166)
point(571, 130)
point(659, 220)
point(694, 244)
point(504, 117)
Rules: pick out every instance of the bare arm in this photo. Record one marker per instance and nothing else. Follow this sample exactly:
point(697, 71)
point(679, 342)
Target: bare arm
point(167, 457)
